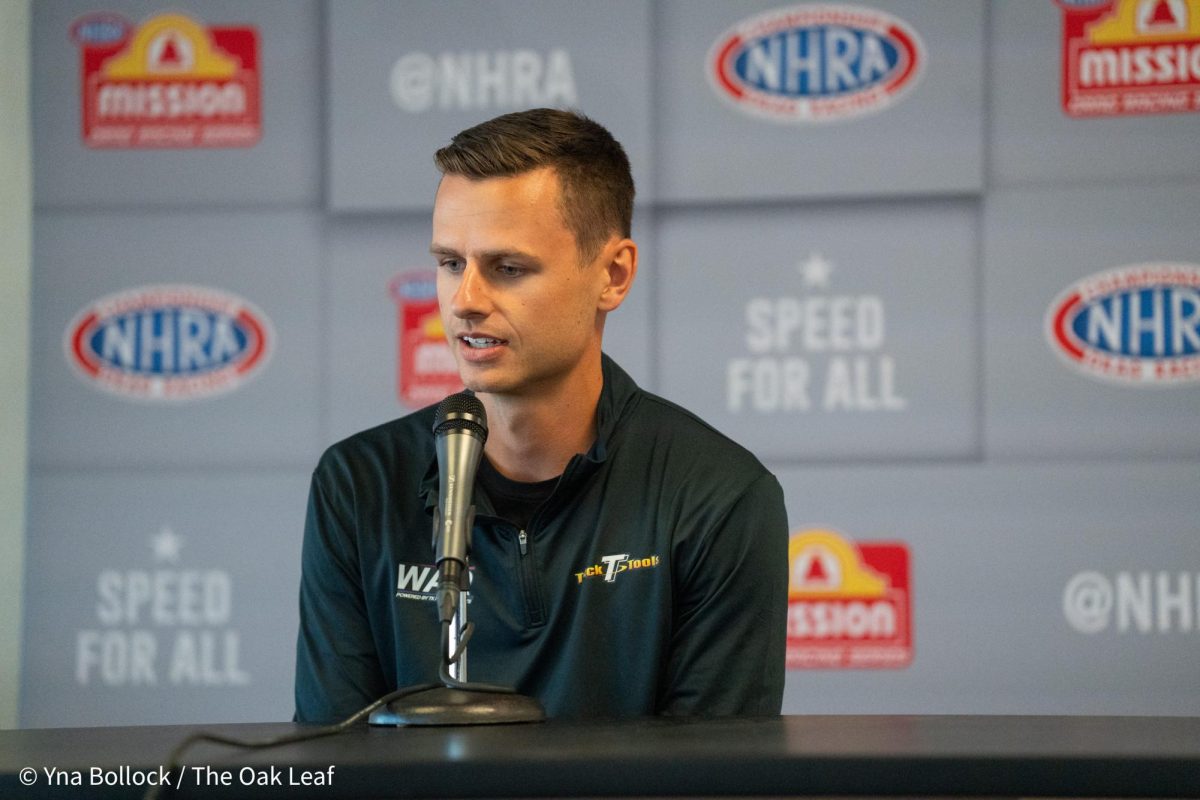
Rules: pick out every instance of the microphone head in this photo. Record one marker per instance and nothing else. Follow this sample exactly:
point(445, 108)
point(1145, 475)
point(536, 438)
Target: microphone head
point(461, 412)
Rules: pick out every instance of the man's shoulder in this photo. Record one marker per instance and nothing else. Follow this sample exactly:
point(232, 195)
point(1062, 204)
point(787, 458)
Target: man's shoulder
point(689, 443)
point(657, 423)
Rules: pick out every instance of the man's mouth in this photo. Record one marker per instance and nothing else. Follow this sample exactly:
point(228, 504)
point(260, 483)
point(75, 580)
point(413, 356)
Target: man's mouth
point(479, 342)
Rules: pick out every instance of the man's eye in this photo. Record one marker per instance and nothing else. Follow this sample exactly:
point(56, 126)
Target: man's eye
point(451, 264)
point(509, 270)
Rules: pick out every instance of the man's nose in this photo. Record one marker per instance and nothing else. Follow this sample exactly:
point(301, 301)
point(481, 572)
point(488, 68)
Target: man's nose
point(471, 298)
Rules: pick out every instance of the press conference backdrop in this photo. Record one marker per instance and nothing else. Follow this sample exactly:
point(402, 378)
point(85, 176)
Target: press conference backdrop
point(935, 261)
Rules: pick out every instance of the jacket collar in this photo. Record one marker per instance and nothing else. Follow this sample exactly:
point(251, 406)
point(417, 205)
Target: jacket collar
point(618, 392)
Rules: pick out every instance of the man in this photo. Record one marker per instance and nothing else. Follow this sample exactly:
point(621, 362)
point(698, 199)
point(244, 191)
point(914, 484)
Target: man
point(626, 558)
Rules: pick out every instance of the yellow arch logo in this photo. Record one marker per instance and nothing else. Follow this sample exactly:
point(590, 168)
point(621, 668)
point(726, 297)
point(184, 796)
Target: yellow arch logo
point(432, 327)
point(826, 564)
point(1148, 19)
point(171, 45)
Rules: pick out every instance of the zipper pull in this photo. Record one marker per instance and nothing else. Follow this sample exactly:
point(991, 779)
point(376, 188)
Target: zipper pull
point(523, 540)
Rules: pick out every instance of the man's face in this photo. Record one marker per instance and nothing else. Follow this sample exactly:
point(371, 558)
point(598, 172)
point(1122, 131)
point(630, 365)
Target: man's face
point(520, 312)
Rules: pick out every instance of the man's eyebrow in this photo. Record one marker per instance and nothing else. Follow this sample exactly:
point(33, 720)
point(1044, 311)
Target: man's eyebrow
point(485, 255)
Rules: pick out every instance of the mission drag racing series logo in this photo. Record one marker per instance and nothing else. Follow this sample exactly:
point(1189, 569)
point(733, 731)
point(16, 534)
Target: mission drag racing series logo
point(166, 625)
point(170, 82)
point(169, 342)
point(849, 603)
point(425, 367)
point(1130, 57)
point(1136, 325)
point(816, 63)
point(814, 350)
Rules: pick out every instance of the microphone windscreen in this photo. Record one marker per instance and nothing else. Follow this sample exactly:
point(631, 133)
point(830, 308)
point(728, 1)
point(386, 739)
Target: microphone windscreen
point(462, 411)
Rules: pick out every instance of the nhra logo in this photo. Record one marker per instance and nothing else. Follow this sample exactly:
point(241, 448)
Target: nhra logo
point(849, 604)
point(1137, 325)
point(818, 63)
point(1130, 57)
point(169, 342)
point(170, 82)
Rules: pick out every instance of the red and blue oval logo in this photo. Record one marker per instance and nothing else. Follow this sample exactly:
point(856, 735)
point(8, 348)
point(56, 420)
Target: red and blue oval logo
point(816, 63)
point(1138, 324)
point(100, 29)
point(169, 342)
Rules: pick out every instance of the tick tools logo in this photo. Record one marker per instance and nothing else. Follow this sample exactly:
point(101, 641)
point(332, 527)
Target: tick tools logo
point(171, 342)
point(1138, 325)
point(1130, 57)
point(849, 604)
point(171, 82)
point(815, 63)
point(425, 368)
point(613, 565)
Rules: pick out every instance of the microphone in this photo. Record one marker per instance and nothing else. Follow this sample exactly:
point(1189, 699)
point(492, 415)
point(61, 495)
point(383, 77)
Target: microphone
point(460, 426)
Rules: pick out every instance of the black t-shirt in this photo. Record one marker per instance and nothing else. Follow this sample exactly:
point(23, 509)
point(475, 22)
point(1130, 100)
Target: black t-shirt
point(514, 501)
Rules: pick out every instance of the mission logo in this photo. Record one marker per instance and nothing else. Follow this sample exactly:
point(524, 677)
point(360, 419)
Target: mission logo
point(169, 82)
point(426, 371)
point(849, 603)
point(1138, 325)
point(816, 63)
point(169, 343)
point(1130, 57)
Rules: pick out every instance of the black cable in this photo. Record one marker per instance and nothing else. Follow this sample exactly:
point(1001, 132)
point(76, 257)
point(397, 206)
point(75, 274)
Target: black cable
point(173, 761)
point(449, 680)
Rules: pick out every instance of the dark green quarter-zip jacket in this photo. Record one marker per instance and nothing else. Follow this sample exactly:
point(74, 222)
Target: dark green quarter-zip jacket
point(652, 581)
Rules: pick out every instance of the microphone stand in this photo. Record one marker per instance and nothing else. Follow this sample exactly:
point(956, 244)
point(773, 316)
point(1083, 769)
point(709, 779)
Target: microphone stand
point(460, 428)
point(458, 702)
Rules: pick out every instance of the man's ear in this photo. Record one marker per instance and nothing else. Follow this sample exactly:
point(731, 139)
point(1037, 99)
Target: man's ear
point(620, 268)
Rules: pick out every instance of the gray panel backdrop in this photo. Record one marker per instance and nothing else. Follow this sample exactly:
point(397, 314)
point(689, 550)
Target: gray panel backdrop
point(284, 168)
point(1002, 621)
point(1033, 141)
point(405, 77)
point(717, 152)
point(861, 301)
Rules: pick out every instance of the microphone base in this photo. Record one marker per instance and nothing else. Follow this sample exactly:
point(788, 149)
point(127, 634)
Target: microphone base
point(445, 706)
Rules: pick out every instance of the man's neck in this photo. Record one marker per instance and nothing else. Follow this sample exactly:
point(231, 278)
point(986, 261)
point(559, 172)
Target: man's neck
point(532, 437)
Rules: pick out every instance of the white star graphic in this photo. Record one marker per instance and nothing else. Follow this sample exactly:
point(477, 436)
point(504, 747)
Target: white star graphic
point(815, 270)
point(166, 545)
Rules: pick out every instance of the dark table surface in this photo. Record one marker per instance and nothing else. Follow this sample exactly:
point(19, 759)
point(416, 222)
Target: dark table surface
point(1012, 756)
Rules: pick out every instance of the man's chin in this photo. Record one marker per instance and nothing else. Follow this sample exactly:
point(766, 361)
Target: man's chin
point(497, 385)
point(481, 382)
